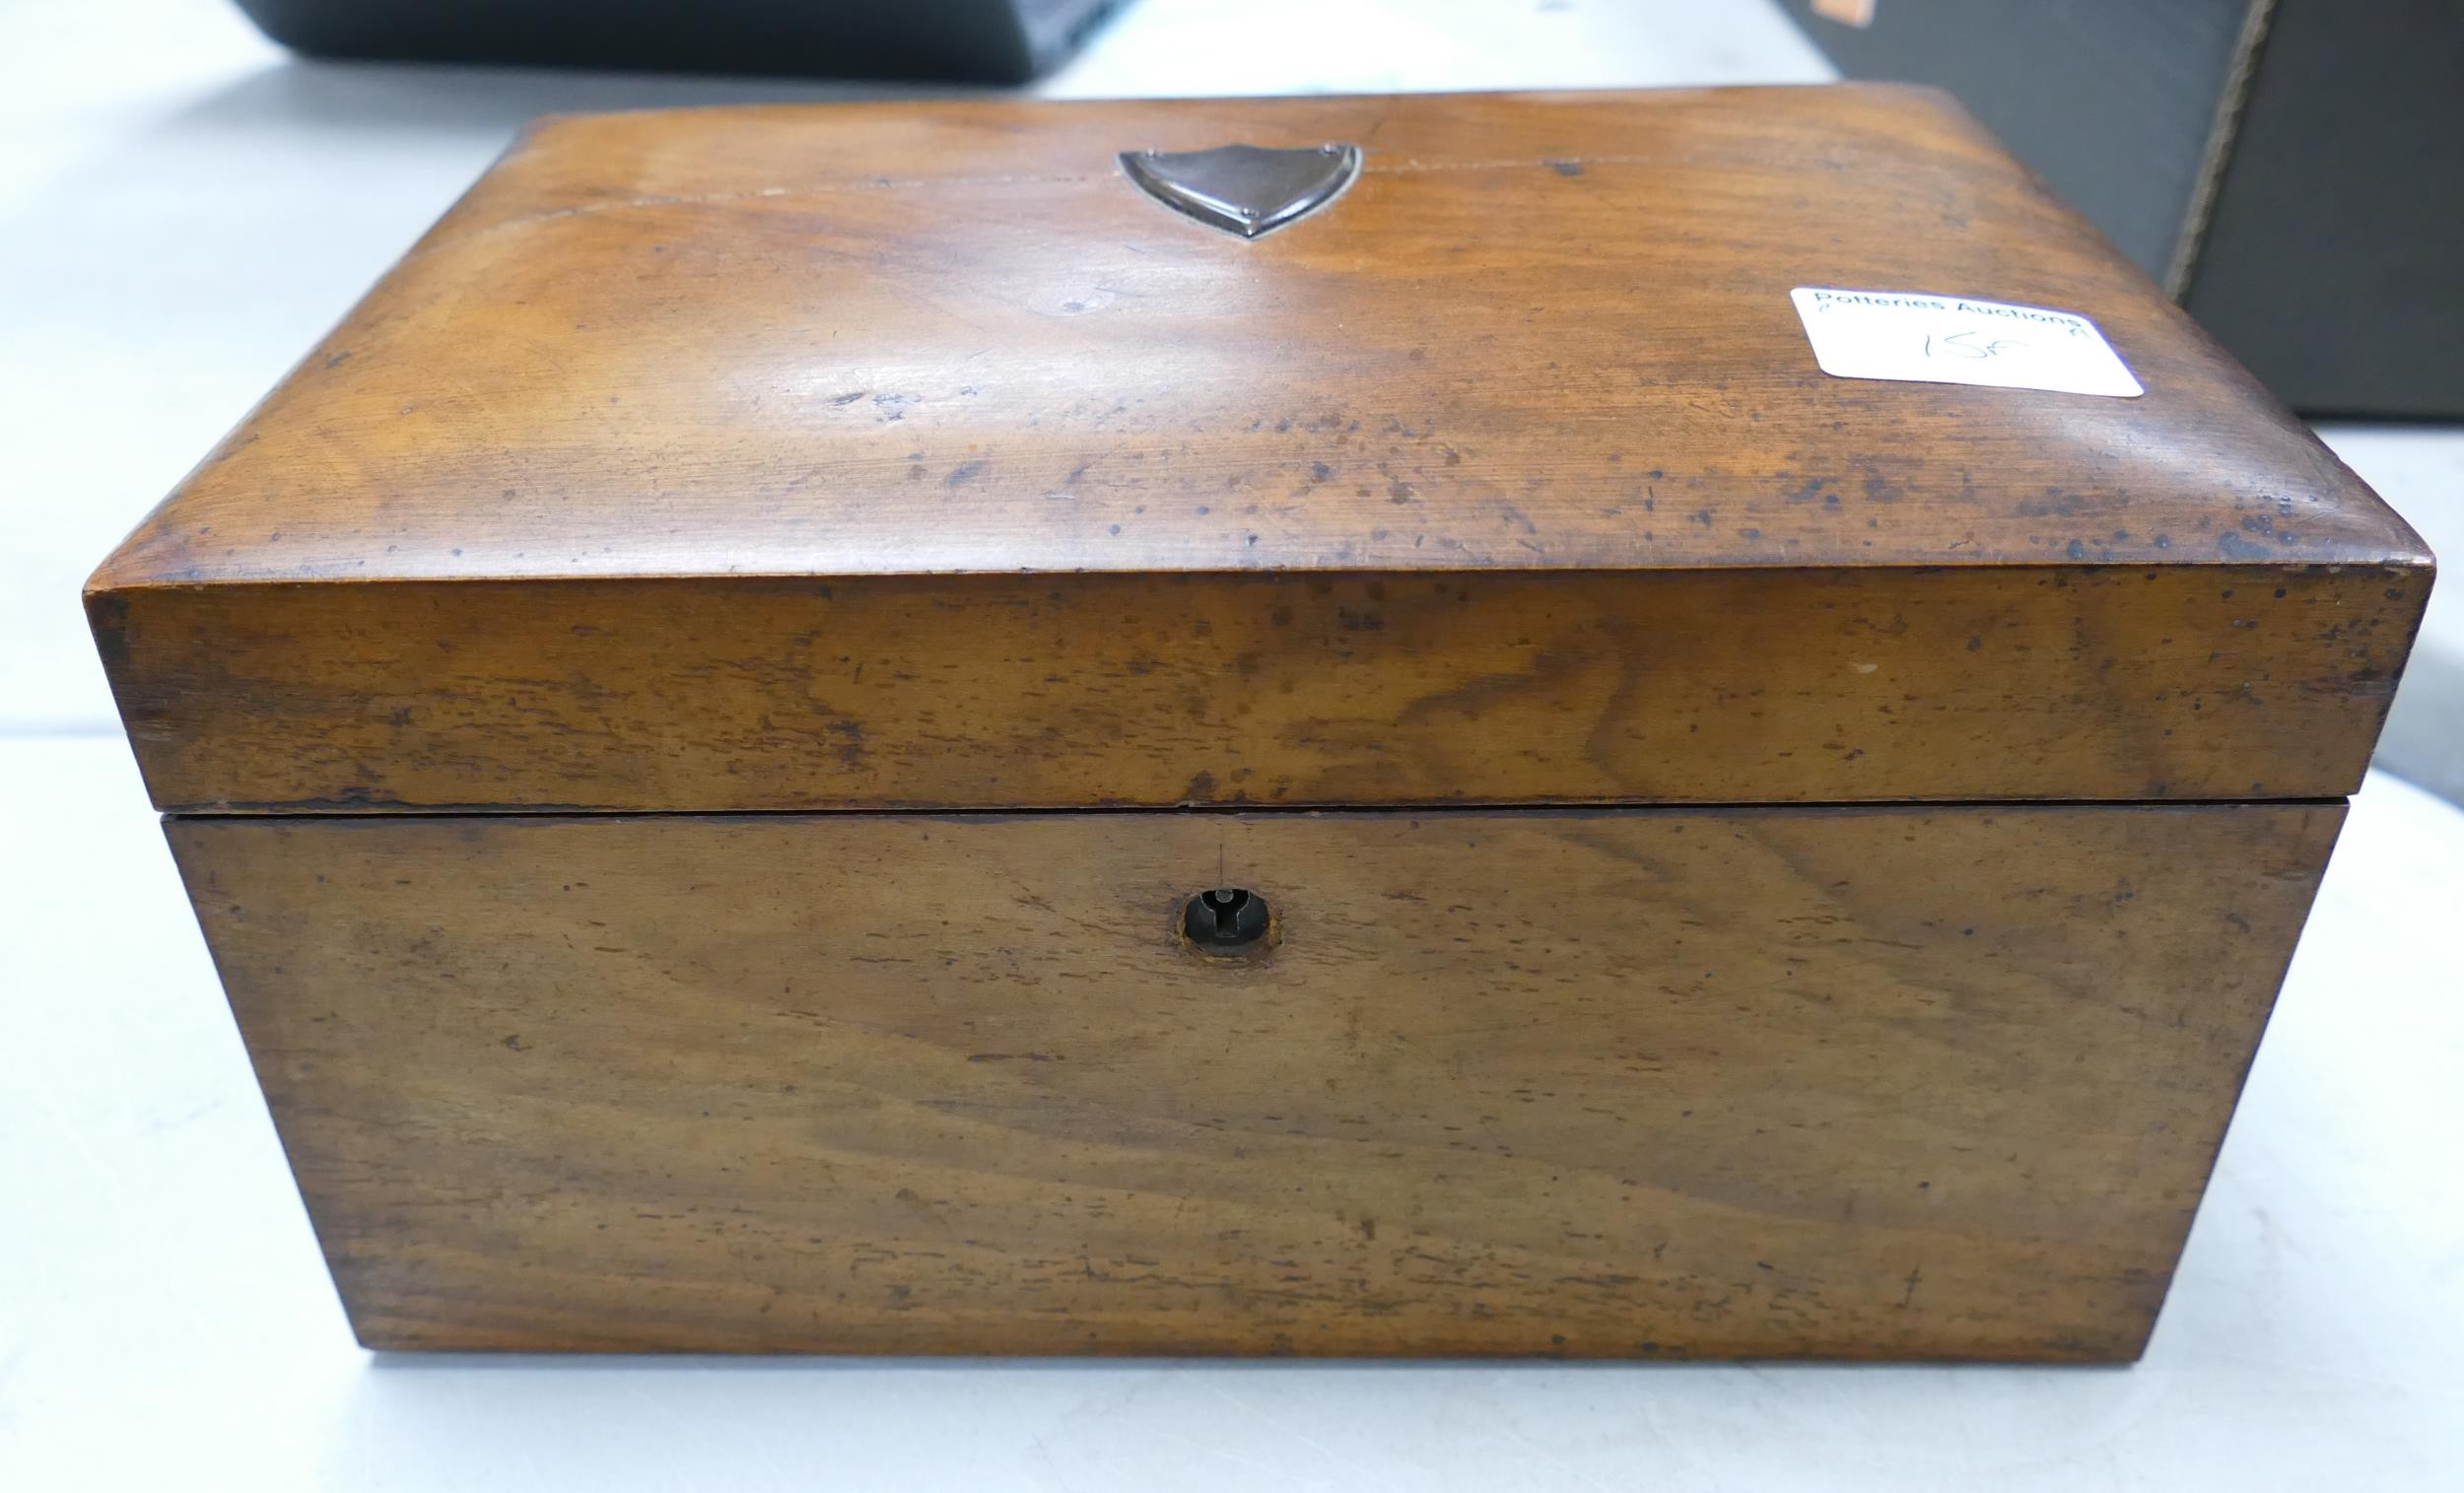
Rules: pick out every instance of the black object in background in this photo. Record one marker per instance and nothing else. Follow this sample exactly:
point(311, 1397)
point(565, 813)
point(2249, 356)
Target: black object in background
point(975, 41)
point(2291, 171)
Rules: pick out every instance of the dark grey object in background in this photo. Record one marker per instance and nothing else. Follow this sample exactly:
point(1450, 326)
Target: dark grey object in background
point(976, 40)
point(2292, 170)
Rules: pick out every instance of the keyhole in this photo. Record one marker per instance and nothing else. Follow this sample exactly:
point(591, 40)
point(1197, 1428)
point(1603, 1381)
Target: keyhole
point(1225, 920)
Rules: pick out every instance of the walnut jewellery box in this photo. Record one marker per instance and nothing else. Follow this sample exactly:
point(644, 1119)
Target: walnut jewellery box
point(1588, 724)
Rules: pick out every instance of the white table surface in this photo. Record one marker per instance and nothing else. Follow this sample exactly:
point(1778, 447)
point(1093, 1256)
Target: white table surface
point(183, 211)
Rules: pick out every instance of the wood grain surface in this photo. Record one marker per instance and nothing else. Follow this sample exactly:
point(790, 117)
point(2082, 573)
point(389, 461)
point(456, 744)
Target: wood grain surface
point(1834, 1082)
point(681, 422)
point(1543, 331)
point(993, 692)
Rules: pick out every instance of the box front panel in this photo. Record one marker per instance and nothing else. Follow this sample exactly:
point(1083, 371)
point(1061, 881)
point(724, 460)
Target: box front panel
point(1681, 1083)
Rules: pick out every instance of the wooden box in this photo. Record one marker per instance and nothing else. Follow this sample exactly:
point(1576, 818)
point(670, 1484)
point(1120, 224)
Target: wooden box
point(694, 723)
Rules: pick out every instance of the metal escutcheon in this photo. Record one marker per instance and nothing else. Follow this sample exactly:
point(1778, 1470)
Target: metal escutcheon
point(1245, 189)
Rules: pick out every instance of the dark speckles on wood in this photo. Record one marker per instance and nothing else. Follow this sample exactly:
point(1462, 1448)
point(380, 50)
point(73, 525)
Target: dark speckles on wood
point(1041, 1126)
point(1362, 518)
point(1690, 686)
point(783, 358)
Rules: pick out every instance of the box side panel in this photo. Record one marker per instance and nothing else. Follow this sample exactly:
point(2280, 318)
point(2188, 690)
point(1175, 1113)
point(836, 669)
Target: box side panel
point(1844, 1083)
point(1071, 692)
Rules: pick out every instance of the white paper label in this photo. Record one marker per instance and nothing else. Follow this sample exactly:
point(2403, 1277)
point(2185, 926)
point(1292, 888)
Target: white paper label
point(1949, 339)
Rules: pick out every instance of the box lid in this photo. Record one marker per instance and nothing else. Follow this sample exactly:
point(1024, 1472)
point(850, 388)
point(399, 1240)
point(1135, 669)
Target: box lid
point(911, 455)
